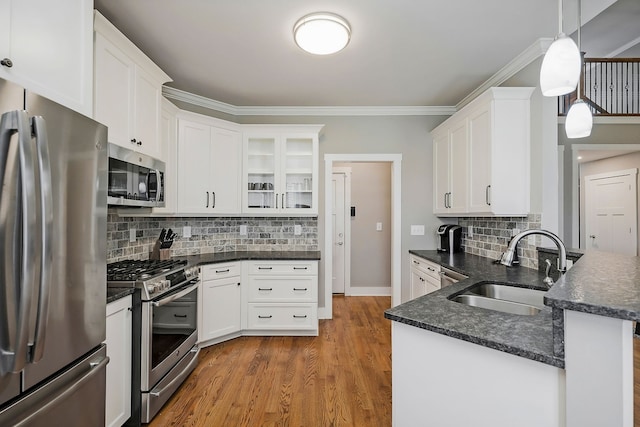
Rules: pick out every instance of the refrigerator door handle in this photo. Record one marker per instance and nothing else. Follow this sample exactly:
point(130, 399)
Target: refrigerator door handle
point(13, 357)
point(46, 226)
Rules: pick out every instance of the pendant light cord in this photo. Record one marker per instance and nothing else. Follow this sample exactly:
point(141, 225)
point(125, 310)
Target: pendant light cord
point(580, 46)
point(559, 16)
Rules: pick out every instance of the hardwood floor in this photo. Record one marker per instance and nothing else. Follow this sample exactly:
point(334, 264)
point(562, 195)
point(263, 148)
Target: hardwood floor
point(340, 378)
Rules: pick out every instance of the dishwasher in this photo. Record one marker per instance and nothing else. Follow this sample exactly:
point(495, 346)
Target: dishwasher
point(449, 277)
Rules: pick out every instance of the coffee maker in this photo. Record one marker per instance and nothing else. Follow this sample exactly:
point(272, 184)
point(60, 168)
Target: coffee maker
point(449, 237)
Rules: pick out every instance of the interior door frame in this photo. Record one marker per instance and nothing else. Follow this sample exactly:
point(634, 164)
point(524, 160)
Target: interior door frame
point(396, 223)
point(575, 180)
point(347, 228)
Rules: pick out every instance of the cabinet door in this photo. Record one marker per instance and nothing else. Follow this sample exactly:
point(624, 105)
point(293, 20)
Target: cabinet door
point(146, 111)
point(458, 172)
point(194, 156)
point(114, 74)
point(226, 166)
point(168, 150)
point(118, 390)
point(441, 166)
point(418, 287)
point(299, 171)
point(220, 308)
point(261, 164)
point(50, 44)
point(480, 161)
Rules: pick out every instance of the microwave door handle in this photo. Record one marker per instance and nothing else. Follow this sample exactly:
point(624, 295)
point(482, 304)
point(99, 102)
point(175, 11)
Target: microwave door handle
point(46, 225)
point(158, 185)
point(14, 358)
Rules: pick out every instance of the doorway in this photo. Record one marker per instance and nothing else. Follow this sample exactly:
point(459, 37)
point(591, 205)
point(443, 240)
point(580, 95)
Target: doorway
point(396, 256)
point(341, 225)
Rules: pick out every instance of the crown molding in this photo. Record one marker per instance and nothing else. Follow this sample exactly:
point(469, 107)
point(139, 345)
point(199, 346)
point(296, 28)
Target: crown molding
point(201, 101)
point(530, 54)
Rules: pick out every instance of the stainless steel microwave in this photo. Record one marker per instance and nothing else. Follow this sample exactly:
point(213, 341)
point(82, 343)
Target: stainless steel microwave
point(135, 179)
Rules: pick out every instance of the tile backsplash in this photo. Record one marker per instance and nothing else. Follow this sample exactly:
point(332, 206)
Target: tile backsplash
point(220, 234)
point(491, 236)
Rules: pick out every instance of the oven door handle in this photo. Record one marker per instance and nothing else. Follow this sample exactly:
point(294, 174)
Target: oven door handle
point(181, 376)
point(176, 296)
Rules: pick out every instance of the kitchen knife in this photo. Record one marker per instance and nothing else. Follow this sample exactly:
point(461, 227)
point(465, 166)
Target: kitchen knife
point(163, 234)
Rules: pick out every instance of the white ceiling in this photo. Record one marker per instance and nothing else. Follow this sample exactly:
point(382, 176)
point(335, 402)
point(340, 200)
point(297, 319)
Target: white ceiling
point(402, 52)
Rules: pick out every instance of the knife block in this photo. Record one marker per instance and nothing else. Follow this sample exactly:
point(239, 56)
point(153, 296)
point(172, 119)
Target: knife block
point(159, 254)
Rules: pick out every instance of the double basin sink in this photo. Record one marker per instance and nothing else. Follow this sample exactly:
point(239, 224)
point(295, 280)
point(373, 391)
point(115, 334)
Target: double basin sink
point(502, 297)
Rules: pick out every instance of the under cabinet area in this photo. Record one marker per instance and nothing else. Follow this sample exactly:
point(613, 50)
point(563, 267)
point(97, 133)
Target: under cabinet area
point(127, 90)
point(209, 166)
point(220, 303)
point(481, 158)
point(119, 347)
point(282, 297)
point(425, 276)
point(280, 169)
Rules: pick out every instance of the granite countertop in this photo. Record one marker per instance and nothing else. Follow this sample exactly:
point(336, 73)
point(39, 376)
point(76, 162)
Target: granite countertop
point(526, 336)
point(216, 257)
point(114, 294)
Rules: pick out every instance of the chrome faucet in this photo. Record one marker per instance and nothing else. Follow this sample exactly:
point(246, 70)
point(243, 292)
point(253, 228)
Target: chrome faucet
point(509, 255)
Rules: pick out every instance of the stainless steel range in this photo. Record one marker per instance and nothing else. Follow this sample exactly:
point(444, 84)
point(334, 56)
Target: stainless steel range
point(169, 325)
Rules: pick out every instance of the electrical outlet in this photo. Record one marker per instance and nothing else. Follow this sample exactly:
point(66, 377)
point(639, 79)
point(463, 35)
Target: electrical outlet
point(378, 226)
point(417, 230)
point(470, 231)
point(297, 229)
point(186, 231)
point(243, 230)
point(132, 235)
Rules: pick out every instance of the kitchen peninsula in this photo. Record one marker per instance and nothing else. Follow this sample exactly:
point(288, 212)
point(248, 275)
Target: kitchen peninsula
point(569, 365)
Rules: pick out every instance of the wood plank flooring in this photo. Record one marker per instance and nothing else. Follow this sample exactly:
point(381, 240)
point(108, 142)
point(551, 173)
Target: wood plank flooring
point(340, 378)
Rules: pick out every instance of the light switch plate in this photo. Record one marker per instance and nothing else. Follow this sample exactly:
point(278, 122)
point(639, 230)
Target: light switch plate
point(186, 231)
point(243, 230)
point(297, 229)
point(378, 226)
point(417, 230)
point(132, 235)
point(470, 231)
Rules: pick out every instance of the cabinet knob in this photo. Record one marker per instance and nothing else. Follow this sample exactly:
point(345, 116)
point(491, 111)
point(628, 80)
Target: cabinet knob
point(6, 62)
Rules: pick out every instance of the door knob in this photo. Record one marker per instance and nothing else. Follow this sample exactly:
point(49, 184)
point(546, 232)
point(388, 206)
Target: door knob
point(340, 243)
point(592, 236)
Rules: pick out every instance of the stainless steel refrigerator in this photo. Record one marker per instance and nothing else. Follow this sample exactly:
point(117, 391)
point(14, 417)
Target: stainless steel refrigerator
point(53, 209)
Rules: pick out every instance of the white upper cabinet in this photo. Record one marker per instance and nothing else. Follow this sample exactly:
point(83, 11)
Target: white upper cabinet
point(209, 166)
point(127, 91)
point(280, 169)
point(482, 156)
point(47, 46)
point(169, 152)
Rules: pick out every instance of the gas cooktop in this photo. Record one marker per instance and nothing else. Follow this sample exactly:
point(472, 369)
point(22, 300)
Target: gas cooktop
point(141, 270)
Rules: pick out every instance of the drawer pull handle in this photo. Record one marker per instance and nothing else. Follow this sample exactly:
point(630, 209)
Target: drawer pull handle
point(265, 268)
point(300, 289)
point(295, 316)
point(415, 262)
point(299, 268)
point(180, 315)
point(264, 317)
point(222, 271)
point(431, 269)
point(265, 289)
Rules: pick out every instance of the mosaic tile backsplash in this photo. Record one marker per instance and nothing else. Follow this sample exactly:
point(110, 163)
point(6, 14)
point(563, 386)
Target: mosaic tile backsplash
point(491, 236)
point(209, 235)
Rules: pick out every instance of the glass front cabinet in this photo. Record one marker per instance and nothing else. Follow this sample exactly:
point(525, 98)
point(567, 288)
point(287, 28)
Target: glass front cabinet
point(281, 169)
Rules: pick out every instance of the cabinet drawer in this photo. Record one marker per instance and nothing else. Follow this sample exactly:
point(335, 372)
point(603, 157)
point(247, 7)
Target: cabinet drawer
point(220, 271)
point(430, 268)
point(282, 268)
point(283, 289)
point(279, 316)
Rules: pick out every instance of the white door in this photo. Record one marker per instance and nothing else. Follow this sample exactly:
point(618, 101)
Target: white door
point(611, 214)
point(339, 219)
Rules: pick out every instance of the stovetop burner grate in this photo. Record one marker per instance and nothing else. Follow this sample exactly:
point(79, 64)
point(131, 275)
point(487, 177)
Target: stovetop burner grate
point(134, 270)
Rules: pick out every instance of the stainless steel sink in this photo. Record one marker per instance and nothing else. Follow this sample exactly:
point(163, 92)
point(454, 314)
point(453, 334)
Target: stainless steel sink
point(528, 296)
point(497, 304)
point(505, 298)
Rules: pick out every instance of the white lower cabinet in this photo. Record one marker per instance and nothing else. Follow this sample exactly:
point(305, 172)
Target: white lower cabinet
point(282, 297)
point(425, 276)
point(220, 299)
point(118, 393)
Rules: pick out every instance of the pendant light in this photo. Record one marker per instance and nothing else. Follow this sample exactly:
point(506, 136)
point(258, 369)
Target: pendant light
point(560, 69)
point(579, 118)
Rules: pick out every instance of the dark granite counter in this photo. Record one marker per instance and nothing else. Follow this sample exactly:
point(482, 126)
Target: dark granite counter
point(114, 294)
point(601, 283)
point(217, 257)
point(525, 336)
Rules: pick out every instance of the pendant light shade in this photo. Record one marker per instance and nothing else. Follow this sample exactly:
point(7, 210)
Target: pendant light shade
point(560, 69)
point(322, 33)
point(579, 120)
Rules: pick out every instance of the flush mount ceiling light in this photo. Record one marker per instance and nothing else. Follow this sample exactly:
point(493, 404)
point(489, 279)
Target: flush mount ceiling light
point(322, 33)
point(561, 65)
